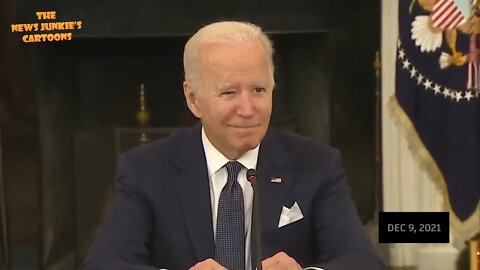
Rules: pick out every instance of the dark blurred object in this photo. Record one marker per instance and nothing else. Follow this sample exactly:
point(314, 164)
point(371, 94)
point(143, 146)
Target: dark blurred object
point(3, 218)
point(143, 115)
point(126, 138)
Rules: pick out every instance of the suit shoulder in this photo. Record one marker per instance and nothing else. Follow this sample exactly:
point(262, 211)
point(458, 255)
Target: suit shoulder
point(305, 148)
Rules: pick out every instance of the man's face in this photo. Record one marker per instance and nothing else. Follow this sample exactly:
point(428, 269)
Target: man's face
point(234, 101)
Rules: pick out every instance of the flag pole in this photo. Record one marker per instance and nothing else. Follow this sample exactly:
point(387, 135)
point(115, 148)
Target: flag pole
point(377, 65)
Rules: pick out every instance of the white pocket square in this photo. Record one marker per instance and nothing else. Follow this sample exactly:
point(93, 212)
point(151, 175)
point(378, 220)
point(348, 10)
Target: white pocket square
point(290, 215)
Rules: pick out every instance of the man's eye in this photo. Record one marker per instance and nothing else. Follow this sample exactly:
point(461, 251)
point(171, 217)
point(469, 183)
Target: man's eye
point(259, 90)
point(227, 93)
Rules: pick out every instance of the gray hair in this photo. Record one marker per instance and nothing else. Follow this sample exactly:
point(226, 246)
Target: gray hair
point(219, 33)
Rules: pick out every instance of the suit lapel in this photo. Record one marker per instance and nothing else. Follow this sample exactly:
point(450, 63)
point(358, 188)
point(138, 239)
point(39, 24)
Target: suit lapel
point(272, 163)
point(194, 194)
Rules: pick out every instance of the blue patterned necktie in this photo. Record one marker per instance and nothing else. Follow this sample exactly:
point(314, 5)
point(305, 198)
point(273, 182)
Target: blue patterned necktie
point(230, 231)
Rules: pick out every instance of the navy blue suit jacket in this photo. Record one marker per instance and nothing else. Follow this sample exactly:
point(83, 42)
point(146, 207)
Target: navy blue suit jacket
point(161, 216)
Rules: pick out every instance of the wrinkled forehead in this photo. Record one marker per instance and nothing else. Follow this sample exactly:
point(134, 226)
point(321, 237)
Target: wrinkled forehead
point(246, 60)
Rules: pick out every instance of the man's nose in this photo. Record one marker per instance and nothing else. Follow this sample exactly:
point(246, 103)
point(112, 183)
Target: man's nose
point(246, 106)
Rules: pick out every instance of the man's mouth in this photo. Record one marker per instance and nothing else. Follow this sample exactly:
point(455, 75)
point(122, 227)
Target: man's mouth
point(244, 127)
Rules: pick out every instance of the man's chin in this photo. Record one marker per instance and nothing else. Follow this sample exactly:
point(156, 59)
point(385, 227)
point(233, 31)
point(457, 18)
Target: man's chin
point(248, 146)
point(247, 142)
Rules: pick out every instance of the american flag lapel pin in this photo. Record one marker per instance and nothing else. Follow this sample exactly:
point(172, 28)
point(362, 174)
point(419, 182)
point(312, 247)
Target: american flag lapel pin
point(276, 180)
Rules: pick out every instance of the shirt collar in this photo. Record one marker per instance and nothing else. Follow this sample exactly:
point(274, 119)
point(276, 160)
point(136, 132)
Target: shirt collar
point(216, 160)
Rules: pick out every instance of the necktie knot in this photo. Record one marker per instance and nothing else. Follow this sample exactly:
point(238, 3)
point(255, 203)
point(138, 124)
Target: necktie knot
point(233, 168)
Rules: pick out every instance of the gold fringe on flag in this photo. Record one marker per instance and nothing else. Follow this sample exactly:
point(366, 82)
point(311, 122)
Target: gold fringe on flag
point(461, 231)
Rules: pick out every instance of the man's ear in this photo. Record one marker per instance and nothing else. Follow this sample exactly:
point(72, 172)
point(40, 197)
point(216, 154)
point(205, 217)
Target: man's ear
point(191, 97)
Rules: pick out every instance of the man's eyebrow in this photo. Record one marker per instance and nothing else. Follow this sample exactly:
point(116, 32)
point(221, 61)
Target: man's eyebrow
point(225, 86)
point(261, 84)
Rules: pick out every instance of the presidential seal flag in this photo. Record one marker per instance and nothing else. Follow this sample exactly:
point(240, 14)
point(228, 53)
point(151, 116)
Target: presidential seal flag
point(437, 95)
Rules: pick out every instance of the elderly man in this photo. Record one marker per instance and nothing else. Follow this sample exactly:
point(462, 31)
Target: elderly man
point(184, 202)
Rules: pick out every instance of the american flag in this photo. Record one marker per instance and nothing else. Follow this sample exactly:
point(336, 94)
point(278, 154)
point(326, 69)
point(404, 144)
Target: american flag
point(276, 180)
point(445, 120)
point(447, 15)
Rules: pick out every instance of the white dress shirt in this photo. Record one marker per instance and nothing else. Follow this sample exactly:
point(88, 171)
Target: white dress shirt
point(217, 175)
